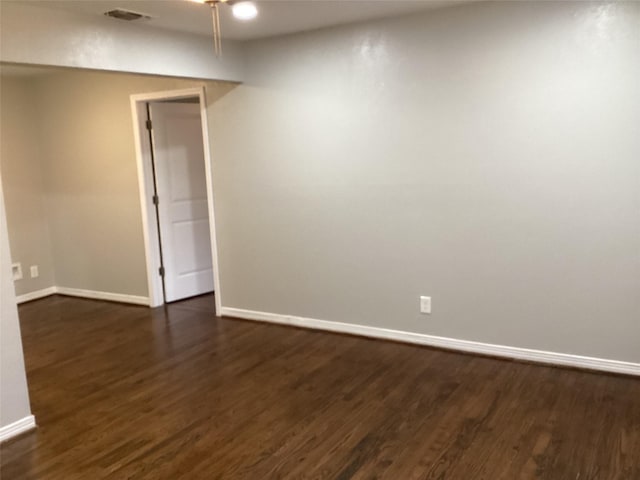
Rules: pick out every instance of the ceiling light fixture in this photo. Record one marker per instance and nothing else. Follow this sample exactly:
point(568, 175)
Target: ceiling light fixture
point(244, 10)
point(241, 10)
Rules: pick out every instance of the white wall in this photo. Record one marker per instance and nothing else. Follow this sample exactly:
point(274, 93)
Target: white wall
point(486, 155)
point(14, 397)
point(21, 166)
point(44, 36)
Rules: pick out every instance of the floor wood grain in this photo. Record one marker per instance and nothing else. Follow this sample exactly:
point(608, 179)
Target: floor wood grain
point(124, 392)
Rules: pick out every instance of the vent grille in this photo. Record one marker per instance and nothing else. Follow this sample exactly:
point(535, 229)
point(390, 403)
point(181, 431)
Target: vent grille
point(128, 15)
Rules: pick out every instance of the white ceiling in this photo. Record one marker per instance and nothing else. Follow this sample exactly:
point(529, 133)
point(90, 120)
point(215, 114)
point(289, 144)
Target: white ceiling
point(276, 17)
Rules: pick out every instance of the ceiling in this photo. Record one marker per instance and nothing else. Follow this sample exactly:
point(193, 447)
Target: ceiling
point(276, 17)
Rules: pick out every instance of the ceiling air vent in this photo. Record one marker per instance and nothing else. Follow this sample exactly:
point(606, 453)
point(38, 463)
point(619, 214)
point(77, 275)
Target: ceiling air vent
point(128, 15)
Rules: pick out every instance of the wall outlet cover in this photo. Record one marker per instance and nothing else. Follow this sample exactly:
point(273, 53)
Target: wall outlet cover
point(16, 270)
point(425, 305)
point(34, 271)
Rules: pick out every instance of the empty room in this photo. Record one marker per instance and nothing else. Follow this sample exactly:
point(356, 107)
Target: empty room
point(323, 239)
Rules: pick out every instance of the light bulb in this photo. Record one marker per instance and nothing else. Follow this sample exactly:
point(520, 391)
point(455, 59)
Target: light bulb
point(245, 10)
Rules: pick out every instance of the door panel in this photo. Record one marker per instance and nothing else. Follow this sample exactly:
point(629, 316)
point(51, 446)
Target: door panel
point(182, 190)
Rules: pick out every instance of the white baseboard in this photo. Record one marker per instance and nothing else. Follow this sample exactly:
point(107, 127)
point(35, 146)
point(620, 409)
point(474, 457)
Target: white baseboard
point(77, 292)
point(27, 297)
point(16, 428)
point(537, 356)
point(111, 297)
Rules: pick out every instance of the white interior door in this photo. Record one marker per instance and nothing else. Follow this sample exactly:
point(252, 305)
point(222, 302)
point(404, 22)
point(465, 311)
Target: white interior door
point(182, 209)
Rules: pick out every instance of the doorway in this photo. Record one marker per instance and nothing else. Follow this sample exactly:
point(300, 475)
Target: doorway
point(176, 194)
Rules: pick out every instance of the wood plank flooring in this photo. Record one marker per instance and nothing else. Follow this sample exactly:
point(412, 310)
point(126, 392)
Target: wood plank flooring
point(124, 392)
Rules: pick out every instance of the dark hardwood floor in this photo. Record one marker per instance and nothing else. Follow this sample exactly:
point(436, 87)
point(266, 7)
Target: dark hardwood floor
point(125, 392)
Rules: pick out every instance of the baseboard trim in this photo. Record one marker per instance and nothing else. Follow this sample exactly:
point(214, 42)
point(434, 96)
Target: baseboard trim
point(78, 292)
point(16, 428)
point(108, 296)
point(27, 297)
point(517, 353)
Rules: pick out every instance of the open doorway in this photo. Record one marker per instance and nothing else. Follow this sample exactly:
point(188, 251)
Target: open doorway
point(176, 194)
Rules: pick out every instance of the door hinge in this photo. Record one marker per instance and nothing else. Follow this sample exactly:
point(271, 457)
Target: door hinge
point(149, 124)
point(156, 200)
point(161, 271)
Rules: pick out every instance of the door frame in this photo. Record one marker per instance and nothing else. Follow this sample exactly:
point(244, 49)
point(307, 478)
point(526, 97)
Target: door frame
point(145, 182)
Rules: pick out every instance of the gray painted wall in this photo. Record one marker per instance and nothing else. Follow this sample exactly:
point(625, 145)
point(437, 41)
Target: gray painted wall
point(486, 155)
point(77, 157)
point(45, 36)
point(24, 188)
point(14, 397)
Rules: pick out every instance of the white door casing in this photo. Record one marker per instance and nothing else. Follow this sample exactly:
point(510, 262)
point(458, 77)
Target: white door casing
point(183, 205)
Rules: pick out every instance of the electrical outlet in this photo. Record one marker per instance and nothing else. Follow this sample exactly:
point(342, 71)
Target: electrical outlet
point(34, 271)
point(425, 305)
point(16, 270)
